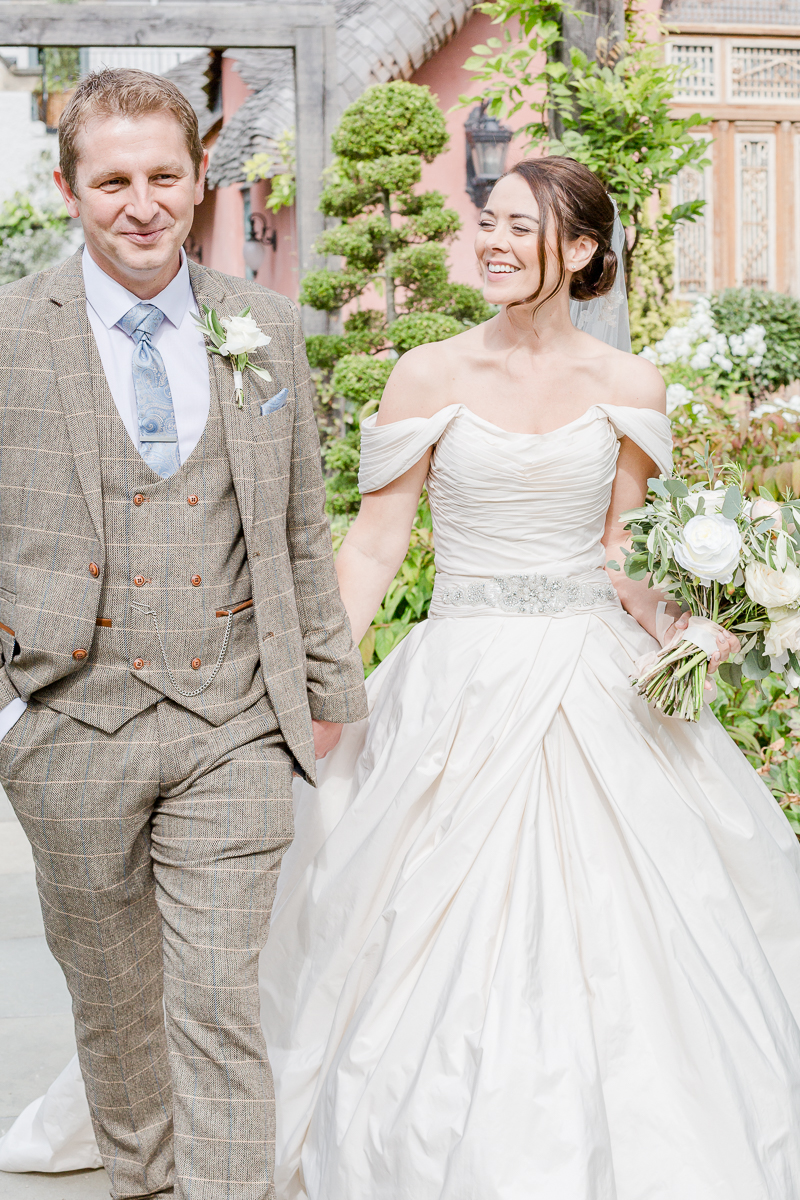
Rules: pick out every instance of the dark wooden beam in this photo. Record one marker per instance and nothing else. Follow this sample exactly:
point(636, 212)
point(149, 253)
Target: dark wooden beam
point(173, 23)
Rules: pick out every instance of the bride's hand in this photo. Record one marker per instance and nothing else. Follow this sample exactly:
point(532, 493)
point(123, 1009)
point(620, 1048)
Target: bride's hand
point(727, 642)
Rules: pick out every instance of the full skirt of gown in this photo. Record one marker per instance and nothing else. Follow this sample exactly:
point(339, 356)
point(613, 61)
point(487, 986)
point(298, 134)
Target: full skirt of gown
point(533, 939)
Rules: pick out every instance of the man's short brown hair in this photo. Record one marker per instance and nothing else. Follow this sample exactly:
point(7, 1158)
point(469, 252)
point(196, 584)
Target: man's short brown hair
point(123, 92)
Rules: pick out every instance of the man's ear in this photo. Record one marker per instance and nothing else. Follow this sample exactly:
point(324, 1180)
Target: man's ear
point(200, 185)
point(66, 191)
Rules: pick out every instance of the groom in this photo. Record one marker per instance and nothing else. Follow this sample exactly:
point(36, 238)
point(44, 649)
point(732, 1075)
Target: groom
point(173, 643)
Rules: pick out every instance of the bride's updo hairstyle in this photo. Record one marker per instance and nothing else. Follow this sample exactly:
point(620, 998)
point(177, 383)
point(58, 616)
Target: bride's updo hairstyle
point(576, 201)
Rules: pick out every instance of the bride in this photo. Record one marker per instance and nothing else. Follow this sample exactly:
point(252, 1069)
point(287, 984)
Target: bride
point(533, 941)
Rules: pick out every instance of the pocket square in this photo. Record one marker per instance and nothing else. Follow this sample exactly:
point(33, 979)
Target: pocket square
point(278, 401)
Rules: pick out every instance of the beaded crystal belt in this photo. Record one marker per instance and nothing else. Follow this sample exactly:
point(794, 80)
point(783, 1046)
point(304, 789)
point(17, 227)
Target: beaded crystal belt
point(522, 593)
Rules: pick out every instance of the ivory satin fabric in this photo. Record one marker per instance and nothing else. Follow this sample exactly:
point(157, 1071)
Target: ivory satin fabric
point(532, 941)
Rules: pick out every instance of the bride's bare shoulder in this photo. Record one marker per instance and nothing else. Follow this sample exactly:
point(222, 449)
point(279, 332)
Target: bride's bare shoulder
point(422, 381)
point(634, 382)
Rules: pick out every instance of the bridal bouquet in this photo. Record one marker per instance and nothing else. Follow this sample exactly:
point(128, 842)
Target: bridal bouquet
point(726, 560)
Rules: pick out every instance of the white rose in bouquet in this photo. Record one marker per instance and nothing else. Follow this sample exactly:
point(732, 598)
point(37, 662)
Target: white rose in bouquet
point(773, 589)
point(713, 499)
point(709, 548)
point(783, 632)
point(243, 336)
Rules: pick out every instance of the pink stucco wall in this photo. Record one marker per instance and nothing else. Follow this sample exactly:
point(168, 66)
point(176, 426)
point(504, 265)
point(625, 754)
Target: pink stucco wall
point(222, 236)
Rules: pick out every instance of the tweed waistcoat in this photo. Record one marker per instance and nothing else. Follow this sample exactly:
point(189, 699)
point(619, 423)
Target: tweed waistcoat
point(175, 556)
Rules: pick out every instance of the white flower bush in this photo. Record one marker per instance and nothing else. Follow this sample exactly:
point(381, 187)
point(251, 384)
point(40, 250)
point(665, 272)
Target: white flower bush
point(696, 349)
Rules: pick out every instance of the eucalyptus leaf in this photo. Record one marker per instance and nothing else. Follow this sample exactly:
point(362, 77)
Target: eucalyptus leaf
point(658, 486)
point(732, 504)
point(755, 665)
point(731, 673)
point(613, 565)
point(676, 488)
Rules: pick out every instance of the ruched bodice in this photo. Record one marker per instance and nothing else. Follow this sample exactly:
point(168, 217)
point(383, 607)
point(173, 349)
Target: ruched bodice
point(514, 503)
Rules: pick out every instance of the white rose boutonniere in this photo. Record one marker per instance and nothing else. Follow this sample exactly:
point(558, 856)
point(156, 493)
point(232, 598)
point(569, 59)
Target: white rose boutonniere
point(234, 338)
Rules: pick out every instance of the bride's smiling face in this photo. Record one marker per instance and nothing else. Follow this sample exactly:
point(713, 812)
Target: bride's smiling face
point(507, 246)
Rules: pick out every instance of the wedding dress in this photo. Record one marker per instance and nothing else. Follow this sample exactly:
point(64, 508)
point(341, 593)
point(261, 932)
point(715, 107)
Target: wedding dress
point(532, 941)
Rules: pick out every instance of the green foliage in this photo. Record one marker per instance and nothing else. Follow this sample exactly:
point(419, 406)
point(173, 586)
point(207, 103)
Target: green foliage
point(614, 115)
point(61, 68)
point(418, 328)
point(391, 119)
point(765, 724)
point(361, 379)
point(652, 312)
point(31, 237)
point(341, 456)
point(408, 599)
point(779, 315)
point(726, 429)
point(280, 167)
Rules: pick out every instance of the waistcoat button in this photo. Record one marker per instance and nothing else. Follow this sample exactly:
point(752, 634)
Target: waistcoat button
point(138, 499)
point(196, 664)
point(192, 500)
point(79, 655)
point(138, 663)
point(196, 581)
point(94, 570)
point(139, 580)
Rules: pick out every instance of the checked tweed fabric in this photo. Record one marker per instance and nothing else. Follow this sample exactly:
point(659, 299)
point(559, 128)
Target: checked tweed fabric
point(157, 851)
point(51, 504)
point(158, 433)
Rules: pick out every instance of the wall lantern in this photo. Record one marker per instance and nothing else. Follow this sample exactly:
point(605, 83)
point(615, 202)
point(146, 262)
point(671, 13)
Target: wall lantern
point(259, 236)
point(487, 145)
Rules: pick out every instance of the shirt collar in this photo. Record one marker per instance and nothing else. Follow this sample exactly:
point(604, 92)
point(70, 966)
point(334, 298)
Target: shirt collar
point(110, 300)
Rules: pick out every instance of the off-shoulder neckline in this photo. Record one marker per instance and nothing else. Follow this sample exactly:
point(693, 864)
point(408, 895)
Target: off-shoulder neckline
point(463, 409)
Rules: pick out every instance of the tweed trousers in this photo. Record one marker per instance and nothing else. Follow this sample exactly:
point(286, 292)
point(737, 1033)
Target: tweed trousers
point(157, 850)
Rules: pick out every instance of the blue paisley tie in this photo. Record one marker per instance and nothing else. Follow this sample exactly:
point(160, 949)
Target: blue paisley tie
point(158, 433)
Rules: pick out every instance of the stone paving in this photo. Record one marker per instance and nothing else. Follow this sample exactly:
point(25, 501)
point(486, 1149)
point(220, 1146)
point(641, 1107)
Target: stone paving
point(36, 1034)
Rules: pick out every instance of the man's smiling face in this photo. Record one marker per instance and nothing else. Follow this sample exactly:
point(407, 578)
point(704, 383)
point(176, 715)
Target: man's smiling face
point(135, 195)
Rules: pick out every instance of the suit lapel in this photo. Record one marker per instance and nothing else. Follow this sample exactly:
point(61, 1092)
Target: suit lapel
point(77, 372)
point(238, 422)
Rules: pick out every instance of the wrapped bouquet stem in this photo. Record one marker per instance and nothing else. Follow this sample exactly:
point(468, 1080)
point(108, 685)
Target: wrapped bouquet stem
point(730, 563)
point(674, 679)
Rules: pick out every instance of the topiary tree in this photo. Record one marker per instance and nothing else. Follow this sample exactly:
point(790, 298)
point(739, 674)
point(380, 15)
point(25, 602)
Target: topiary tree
point(392, 240)
point(391, 237)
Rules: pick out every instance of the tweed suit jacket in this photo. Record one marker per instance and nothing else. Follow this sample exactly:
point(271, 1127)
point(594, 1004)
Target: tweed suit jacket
point(51, 505)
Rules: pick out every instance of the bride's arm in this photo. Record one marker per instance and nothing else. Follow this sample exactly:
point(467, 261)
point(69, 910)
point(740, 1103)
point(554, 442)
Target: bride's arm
point(377, 541)
point(634, 468)
point(376, 544)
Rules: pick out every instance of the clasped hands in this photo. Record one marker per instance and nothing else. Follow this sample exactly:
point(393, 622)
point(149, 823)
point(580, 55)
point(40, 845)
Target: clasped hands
point(727, 643)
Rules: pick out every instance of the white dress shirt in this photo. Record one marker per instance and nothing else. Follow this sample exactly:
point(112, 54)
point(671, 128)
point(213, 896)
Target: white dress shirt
point(182, 348)
point(177, 339)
